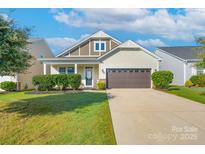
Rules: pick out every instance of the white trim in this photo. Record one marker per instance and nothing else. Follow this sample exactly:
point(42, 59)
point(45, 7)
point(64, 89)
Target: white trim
point(99, 46)
point(92, 76)
point(44, 69)
point(110, 44)
point(75, 68)
point(89, 48)
point(185, 72)
point(137, 46)
point(149, 52)
point(84, 40)
point(74, 62)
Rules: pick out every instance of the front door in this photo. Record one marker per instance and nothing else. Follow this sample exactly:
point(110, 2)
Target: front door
point(89, 76)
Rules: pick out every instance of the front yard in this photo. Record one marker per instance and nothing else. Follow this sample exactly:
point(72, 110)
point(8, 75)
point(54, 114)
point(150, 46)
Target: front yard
point(195, 93)
point(64, 118)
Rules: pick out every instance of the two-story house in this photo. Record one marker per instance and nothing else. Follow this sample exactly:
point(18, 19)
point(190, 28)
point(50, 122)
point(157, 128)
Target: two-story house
point(103, 57)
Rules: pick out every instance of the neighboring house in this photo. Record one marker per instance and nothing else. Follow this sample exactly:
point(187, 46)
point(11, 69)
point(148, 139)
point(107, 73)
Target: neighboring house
point(38, 48)
point(180, 60)
point(102, 57)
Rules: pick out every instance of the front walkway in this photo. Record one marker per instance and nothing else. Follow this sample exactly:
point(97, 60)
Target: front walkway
point(147, 116)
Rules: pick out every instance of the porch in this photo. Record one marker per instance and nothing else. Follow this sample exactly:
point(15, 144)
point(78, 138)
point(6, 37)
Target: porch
point(88, 72)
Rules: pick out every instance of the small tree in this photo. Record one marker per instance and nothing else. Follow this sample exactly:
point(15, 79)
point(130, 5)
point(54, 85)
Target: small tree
point(13, 45)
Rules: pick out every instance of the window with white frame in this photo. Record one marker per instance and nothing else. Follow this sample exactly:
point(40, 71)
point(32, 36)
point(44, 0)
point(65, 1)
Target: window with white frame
point(62, 70)
point(100, 46)
point(70, 70)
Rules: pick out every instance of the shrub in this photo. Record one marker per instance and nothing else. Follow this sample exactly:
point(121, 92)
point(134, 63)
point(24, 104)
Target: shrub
point(188, 83)
point(43, 82)
point(74, 81)
point(162, 79)
point(47, 82)
point(61, 80)
point(8, 85)
point(195, 79)
point(201, 81)
point(101, 85)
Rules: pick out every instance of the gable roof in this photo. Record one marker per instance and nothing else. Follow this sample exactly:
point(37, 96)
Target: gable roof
point(130, 44)
point(186, 53)
point(100, 34)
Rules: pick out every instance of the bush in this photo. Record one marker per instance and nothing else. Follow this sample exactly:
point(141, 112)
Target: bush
point(61, 81)
point(8, 85)
point(188, 83)
point(201, 81)
point(48, 82)
point(195, 79)
point(101, 85)
point(74, 81)
point(43, 82)
point(162, 79)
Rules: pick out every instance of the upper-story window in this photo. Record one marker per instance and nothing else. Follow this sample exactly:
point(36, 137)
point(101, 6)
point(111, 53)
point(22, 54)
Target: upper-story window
point(100, 46)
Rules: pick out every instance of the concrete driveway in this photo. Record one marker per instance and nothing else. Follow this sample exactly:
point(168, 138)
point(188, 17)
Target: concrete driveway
point(147, 116)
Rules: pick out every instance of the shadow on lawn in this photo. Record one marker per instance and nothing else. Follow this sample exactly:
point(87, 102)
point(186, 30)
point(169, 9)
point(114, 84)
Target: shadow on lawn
point(55, 104)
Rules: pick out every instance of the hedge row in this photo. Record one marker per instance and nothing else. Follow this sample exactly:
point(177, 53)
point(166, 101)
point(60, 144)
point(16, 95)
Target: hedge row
point(62, 81)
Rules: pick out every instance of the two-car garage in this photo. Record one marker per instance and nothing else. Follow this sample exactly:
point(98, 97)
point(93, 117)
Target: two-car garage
point(128, 78)
point(128, 66)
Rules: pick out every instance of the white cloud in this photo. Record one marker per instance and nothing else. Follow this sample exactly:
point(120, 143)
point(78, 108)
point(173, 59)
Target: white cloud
point(178, 26)
point(60, 43)
point(151, 43)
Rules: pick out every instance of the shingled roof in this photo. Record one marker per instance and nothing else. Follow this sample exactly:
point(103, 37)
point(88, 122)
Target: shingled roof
point(183, 52)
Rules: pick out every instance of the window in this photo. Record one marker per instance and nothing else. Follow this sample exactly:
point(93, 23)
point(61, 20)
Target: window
point(100, 46)
point(62, 70)
point(199, 71)
point(103, 46)
point(70, 70)
point(97, 46)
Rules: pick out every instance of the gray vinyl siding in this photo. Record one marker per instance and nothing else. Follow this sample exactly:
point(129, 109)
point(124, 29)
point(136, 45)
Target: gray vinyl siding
point(172, 64)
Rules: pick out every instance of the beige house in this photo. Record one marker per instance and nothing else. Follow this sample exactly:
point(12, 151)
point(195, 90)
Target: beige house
point(102, 57)
point(38, 48)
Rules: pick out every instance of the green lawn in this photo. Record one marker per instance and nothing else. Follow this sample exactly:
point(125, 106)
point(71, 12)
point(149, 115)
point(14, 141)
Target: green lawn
point(72, 118)
point(195, 94)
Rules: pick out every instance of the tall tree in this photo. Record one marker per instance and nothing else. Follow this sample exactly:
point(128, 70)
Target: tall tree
point(13, 45)
point(201, 55)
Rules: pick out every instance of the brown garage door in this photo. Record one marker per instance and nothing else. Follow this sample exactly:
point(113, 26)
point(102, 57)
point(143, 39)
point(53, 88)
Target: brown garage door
point(128, 78)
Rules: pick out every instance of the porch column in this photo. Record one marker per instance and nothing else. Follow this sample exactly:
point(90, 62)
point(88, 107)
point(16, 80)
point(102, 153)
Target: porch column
point(44, 69)
point(76, 68)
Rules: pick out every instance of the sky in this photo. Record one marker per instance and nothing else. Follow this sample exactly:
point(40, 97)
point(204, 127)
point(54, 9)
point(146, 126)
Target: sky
point(149, 27)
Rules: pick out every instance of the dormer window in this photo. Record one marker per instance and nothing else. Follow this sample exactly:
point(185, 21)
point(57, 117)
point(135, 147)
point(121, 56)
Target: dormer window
point(99, 46)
